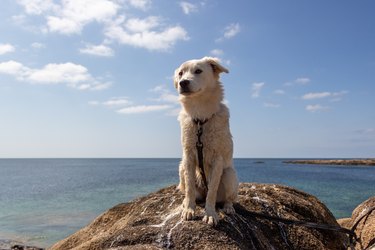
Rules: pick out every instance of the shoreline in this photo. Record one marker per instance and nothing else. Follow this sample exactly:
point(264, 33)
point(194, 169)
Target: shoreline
point(348, 162)
point(6, 244)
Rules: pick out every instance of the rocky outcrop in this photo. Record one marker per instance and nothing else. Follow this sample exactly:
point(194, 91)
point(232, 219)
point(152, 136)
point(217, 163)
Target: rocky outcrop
point(365, 229)
point(153, 222)
point(14, 245)
point(362, 162)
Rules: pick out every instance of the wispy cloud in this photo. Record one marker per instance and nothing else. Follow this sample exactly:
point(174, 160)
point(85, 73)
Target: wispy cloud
point(37, 45)
point(302, 80)
point(165, 95)
point(230, 31)
point(6, 48)
point(256, 88)
point(165, 101)
point(311, 96)
point(188, 7)
point(114, 102)
point(316, 108)
point(318, 95)
point(73, 75)
point(217, 52)
point(97, 50)
point(140, 4)
point(142, 109)
point(299, 81)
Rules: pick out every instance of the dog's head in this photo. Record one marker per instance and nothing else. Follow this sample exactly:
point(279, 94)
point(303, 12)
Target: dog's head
point(196, 76)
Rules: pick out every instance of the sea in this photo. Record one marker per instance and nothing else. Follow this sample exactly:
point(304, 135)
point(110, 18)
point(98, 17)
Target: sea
point(44, 200)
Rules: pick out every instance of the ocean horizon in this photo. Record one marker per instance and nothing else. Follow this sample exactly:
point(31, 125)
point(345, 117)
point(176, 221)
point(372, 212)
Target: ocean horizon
point(43, 200)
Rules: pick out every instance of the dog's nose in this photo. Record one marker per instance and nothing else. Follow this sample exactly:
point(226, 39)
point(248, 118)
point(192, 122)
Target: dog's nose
point(184, 83)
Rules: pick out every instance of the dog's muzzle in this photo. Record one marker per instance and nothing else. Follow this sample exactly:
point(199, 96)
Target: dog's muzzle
point(184, 87)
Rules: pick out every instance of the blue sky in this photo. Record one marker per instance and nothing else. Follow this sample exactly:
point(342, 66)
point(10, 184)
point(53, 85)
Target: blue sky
point(93, 78)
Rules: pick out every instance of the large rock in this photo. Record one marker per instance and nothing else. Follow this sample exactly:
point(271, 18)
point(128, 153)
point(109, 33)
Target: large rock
point(15, 245)
point(365, 229)
point(153, 222)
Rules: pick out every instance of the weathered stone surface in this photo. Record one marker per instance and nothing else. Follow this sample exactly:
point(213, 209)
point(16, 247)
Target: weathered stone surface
point(362, 162)
point(366, 227)
point(153, 222)
point(14, 245)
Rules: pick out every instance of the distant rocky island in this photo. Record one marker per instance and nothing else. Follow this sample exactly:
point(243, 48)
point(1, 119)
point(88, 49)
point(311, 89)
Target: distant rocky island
point(356, 162)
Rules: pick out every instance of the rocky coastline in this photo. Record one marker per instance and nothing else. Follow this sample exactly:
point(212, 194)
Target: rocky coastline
point(153, 222)
point(352, 162)
point(15, 245)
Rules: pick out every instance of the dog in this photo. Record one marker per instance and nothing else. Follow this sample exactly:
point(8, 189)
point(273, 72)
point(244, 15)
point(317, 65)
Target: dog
point(207, 175)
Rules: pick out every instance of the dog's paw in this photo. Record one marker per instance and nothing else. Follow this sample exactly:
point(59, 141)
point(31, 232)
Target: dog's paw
point(211, 217)
point(187, 214)
point(228, 208)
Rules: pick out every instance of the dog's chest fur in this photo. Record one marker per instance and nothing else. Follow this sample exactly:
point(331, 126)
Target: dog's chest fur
point(216, 137)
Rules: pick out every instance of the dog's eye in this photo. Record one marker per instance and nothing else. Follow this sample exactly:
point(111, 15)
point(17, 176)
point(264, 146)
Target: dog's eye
point(198, 71)
point(180, 73)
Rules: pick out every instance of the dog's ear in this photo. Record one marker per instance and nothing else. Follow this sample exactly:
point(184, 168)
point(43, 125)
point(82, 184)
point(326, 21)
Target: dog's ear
point(216, 66)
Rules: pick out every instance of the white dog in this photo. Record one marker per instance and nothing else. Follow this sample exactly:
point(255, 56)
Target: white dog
point(204, 121)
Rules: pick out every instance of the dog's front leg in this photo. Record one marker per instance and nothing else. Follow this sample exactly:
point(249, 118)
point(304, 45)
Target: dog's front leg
point(211, 216)
point(189, 176)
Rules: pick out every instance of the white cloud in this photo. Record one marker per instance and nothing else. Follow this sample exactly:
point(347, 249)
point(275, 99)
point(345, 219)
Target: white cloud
point(299, 81)
point(113, 102)
point(71, 16)
point(230, 31)
point(165, 95)
point(217, 52)
point(74, 15)
point(256, 88)
point(117, 101)
point(311, 96)
point(302, 80)
point(6, 48)
point(188, 8)
point(338, 95)
point(37, 7)
point(73, 75)
point(97, 50)
point(318, 95)
point(143, 109)
point(165, 101)
point(140, 4)
point(37, 45)
point(145, 33)
point(13, 68)
point(316, 108)
point(140, 25)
